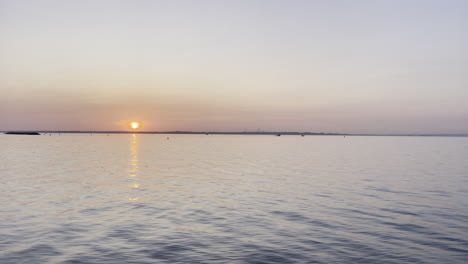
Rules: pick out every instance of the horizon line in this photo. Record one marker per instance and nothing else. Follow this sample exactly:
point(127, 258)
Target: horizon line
point(235, 133)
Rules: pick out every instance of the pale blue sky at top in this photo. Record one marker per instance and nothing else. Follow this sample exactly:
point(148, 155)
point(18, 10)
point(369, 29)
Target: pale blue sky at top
point(390, 66)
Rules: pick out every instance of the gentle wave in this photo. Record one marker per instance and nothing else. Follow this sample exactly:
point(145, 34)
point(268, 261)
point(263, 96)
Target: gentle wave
point(233, 199)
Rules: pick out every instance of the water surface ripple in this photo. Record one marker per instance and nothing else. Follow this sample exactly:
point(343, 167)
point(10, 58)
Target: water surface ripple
point(233, 199)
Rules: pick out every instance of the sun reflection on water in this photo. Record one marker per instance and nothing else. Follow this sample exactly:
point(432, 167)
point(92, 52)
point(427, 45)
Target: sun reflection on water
point(133, 167)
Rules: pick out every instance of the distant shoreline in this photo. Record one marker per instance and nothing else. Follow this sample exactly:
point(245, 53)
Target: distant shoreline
point(269, 133)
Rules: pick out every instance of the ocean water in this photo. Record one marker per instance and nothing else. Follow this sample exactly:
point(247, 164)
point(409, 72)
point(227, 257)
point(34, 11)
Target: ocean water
point(233, 199)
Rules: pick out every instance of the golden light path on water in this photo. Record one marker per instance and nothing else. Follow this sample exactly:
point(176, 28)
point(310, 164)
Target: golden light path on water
point(133, 167)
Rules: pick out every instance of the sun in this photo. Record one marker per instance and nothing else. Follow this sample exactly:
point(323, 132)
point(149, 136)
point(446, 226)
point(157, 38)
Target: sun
point(135, 125)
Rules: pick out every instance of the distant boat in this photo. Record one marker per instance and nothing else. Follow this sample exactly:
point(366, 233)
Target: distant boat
point(22, 133)
point(278, 135)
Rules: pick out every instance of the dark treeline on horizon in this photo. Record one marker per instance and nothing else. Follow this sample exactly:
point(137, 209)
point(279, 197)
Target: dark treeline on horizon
point(275, 133)
point(176, 132)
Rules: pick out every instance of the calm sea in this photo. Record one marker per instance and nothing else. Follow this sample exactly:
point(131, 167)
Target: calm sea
point(233, 199)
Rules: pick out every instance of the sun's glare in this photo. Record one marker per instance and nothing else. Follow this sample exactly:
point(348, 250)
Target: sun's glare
point(135, 125)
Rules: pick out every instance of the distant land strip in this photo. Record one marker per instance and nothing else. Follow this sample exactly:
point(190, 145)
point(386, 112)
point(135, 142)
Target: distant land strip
point(273, 133)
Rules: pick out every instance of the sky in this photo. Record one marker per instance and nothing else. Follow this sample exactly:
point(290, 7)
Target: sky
point(350, 66)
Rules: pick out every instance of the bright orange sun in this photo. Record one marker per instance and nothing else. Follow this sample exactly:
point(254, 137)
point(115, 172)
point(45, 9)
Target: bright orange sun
point(135, 125)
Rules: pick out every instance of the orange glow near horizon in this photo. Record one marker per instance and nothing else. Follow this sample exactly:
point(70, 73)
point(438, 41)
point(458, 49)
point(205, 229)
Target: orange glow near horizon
point(135, 125)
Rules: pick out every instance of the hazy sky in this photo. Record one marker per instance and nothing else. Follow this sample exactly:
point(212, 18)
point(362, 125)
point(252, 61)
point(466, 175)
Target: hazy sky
point(396, 66)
